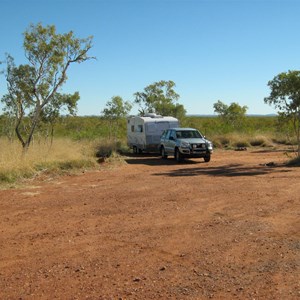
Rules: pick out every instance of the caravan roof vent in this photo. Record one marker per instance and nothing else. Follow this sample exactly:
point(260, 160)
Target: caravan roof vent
point(153, 115)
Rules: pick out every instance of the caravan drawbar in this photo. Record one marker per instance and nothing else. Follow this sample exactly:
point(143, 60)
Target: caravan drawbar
point(143, 133)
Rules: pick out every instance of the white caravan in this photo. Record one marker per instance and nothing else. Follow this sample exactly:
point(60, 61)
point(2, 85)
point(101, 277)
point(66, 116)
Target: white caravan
point(143, 133)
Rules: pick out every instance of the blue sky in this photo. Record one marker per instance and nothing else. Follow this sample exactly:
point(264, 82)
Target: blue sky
point(213, 50)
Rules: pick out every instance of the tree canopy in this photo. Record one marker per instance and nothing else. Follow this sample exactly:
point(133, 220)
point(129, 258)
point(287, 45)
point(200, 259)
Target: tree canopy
point(232, 114)
point(33, 88)
point(285, 96)
point(115, 110)
point(161, 98)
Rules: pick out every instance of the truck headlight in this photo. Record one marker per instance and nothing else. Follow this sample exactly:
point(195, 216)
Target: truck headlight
point(185, 145)
point(209, 145)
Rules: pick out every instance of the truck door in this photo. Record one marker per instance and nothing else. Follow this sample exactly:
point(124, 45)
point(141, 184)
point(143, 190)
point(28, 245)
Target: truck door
point(170, 141)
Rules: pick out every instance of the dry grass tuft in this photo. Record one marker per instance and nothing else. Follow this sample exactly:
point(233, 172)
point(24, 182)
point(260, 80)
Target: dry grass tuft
point(261, 141)
point(64, 154)
point(232, 140)
point(107, 148)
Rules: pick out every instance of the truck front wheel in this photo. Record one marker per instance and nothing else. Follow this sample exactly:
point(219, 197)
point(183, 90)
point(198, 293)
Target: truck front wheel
point(177, 155)
point(207, 158)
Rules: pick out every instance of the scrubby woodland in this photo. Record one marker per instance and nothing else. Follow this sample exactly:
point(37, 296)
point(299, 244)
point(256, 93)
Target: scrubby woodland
point(78, 142)
point(40, 131)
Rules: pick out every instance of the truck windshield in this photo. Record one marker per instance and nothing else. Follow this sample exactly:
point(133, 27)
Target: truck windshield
point(188, 134)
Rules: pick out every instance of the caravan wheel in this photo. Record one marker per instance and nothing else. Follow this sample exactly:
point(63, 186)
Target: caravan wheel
point(137, 150)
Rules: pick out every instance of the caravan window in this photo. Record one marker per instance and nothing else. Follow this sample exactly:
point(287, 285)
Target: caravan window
point(140, 128)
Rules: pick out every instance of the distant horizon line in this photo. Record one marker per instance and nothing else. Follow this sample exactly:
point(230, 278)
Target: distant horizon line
point(196, 115)
point(250, 115)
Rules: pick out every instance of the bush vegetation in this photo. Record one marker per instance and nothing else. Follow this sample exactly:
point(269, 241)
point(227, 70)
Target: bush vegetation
point(79, 142)
point(63, 155)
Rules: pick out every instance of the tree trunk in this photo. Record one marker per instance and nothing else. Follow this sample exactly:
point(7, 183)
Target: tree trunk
point(296, 125)
point(298, 133)
point(298, 141)
point(17, 130)
point(52, 135)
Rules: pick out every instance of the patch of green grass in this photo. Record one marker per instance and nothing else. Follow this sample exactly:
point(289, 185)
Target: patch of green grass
point(11, 176)
point(53, 167)
point(56, 166)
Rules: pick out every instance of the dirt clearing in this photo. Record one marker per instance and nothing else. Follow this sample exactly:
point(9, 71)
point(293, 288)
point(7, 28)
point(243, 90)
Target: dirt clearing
point(155, 229)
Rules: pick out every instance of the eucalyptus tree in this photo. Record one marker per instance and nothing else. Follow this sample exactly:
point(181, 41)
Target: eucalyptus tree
point(115, 110)
point(161, 98)
point(60, 103)
point(285, 96)
point(33, 88)
point(232, 115)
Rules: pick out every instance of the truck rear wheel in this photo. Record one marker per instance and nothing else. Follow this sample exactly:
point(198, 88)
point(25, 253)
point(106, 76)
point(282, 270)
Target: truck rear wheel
point(163, 153)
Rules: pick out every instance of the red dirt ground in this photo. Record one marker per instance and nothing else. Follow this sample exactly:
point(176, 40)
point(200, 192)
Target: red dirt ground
point(155, 229)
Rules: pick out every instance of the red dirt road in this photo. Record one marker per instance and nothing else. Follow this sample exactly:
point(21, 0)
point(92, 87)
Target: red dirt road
point(155, 229)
